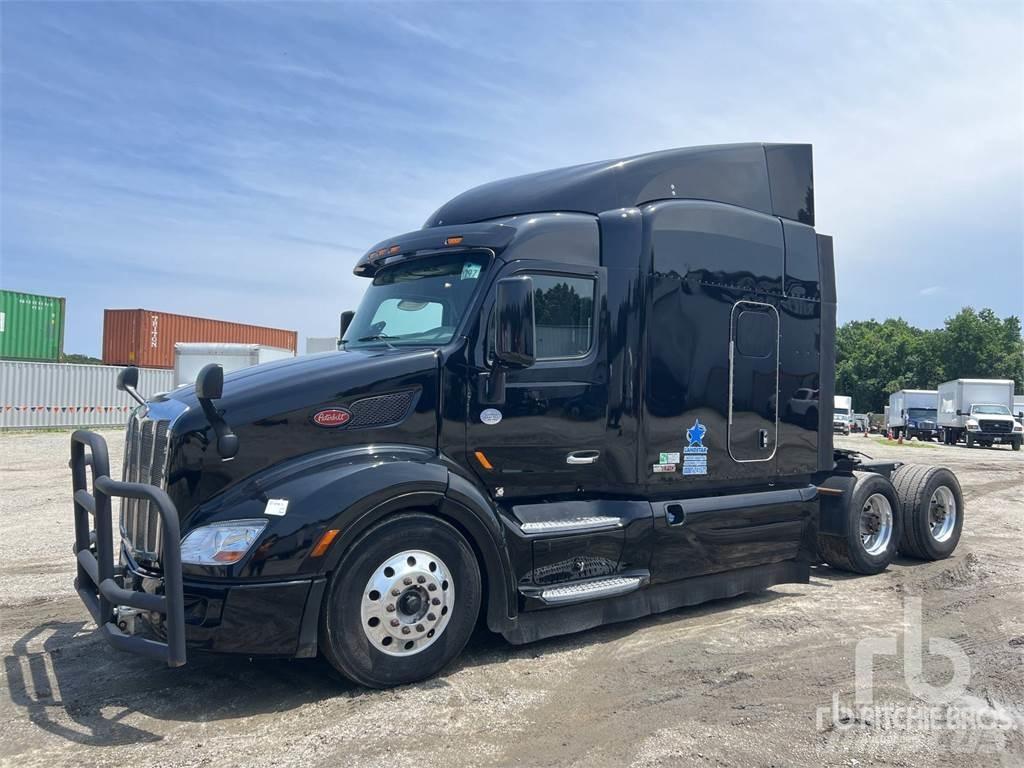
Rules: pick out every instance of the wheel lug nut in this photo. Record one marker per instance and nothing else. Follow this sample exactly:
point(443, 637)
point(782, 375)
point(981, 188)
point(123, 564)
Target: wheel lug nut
point(396, 591)
point(395, 622)
point(405, 630)
point(419, 627)
point(432, 587)
point(431, 617)
point(420, 579)
point(435, 601)
point(390, 609)
point(407, 580)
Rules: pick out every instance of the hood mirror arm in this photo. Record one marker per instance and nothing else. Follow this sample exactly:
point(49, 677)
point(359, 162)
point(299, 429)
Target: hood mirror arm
point(127, 381)
point(210, 387)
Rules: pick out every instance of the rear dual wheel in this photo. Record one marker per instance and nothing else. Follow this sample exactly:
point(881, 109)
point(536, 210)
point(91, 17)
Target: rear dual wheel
point(872, 531)
point(402, 602)
point(932, 509)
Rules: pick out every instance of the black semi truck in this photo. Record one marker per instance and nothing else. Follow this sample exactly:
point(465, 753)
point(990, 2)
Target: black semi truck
point(561, 403)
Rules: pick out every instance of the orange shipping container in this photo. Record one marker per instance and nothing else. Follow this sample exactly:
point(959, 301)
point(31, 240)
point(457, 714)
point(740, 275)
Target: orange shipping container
point(145, 338)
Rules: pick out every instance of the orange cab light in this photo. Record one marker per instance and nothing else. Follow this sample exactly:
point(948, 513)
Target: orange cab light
point(454, 240)
point(483, 460)
point(382, 251)
point(394, 249)
point(325, 542)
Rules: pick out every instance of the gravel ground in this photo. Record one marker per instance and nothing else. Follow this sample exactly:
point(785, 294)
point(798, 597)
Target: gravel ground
point(735, 682)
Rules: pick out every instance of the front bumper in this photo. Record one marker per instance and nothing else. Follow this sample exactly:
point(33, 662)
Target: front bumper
point(253, 618)
point(995, 437)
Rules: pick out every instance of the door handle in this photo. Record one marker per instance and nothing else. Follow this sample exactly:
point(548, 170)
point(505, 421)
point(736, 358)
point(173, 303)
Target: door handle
point(582, 457)
point(762, 438)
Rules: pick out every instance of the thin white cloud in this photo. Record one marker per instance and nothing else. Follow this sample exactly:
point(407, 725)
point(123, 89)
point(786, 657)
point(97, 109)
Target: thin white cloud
point(931, 290)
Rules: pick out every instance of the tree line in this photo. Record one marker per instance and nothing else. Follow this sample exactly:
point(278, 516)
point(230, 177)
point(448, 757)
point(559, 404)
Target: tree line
point(874, 359)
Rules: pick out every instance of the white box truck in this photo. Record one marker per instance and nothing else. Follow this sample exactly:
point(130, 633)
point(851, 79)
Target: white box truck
point(842, 414)
point(914, 413)
point(190, 357)
point(1018, 408)
point(978, 411)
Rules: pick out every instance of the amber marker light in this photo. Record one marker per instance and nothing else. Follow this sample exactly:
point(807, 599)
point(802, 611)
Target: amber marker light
point(454, 240)
point(483, 460)
point(325, 542)
point(394, 249)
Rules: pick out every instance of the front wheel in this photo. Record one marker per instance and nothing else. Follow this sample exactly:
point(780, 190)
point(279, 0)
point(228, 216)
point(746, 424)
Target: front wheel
point(1015, 445)
point(402, 602)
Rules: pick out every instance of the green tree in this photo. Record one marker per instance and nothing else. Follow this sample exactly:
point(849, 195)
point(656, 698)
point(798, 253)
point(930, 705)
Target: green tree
point(980, 345)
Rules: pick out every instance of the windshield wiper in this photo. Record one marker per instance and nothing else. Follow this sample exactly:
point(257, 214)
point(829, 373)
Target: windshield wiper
point(379, 337)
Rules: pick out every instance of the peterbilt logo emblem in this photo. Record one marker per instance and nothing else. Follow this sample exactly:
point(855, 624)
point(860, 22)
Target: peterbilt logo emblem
point(332, 417)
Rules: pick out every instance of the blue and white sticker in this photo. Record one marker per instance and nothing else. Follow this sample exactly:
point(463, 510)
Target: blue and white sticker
point(695, 454)
point(490, 416)
point(470, 271)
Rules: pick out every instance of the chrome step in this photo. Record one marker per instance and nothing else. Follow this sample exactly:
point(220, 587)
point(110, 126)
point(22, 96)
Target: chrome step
point(591, 590)
point(573, 524)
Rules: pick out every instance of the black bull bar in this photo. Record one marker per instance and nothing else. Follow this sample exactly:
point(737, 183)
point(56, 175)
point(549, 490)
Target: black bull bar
point(97, 582)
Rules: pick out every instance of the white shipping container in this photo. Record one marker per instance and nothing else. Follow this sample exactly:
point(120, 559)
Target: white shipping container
point(956, 398)
point(53, 395)
point(315, 344)
point(190, 357)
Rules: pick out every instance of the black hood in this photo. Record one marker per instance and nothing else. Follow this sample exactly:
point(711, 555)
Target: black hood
point(391, 397)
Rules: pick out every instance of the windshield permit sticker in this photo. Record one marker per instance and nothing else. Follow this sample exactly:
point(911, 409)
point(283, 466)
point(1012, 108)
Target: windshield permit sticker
point(490, 416)
point(658, 468)
point(695, 455)
point(470, 271)
point(276, 507)
point(668, 458)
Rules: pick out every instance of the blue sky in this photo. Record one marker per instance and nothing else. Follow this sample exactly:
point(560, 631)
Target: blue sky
point(233, 160)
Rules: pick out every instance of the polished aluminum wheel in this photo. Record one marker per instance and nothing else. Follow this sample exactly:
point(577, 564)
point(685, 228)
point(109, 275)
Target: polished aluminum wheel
point(876, 524)
point(407, 603)
point(942, 513)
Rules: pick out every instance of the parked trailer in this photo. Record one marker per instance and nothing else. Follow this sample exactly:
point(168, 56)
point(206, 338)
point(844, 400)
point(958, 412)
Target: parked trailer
point(146, 338)
point(316, 344)
point(31, 326)
point(189, 359)
point(452, 463)
point(914, 413)
point(978, 411)
point(50, 395)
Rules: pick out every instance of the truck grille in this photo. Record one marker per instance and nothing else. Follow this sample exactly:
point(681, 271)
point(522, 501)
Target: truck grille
point(145, 461)
point(988, 425)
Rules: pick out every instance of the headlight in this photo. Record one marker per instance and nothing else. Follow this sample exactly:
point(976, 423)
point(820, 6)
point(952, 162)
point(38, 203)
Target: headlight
point(1018, 428)
point(221, 543)
point(972, 427)
point(912, 424)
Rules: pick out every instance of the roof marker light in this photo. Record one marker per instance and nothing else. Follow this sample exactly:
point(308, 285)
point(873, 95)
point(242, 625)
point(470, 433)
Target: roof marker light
point(394, 249)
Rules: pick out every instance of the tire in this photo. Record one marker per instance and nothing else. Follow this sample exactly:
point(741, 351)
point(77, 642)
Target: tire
point(1015, 445)
point(918, 486)
point(849, 552)
point(970, 441)
point(378, 656)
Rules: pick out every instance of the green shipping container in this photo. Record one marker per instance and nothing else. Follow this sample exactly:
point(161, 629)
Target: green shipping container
point(31, 327)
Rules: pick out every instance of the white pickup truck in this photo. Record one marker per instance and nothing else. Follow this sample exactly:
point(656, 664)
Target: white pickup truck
point(842, 414)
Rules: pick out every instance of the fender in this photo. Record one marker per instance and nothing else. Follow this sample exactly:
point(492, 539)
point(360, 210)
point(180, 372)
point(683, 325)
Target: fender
point(350, 490)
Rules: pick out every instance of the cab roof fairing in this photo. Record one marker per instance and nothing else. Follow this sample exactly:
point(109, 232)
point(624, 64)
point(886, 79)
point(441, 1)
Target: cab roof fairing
point(776, 179)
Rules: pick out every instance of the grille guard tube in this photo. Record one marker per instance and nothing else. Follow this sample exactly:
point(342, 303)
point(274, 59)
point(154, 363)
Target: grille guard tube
point(95, 582)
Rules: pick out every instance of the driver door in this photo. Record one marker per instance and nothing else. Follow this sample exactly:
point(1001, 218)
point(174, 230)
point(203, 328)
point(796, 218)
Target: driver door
point(547, 434)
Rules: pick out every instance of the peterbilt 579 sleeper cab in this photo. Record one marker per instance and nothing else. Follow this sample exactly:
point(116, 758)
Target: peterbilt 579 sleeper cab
point(565, 401)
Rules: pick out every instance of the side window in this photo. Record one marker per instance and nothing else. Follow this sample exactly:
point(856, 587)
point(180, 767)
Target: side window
point(755, 334)
point(564, 315)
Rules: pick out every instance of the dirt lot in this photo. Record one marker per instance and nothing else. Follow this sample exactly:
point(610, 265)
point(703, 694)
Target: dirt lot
point(736, 682)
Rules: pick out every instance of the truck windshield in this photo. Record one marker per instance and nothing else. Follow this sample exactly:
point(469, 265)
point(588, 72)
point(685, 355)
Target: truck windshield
point(991, 410)
point(921, 413)
point(842, 411)
point(416, 303)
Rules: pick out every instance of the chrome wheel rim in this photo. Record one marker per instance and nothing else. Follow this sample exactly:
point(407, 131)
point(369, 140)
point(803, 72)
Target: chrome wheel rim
point(407, 603)
point(876, 524)
point(942, 513)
